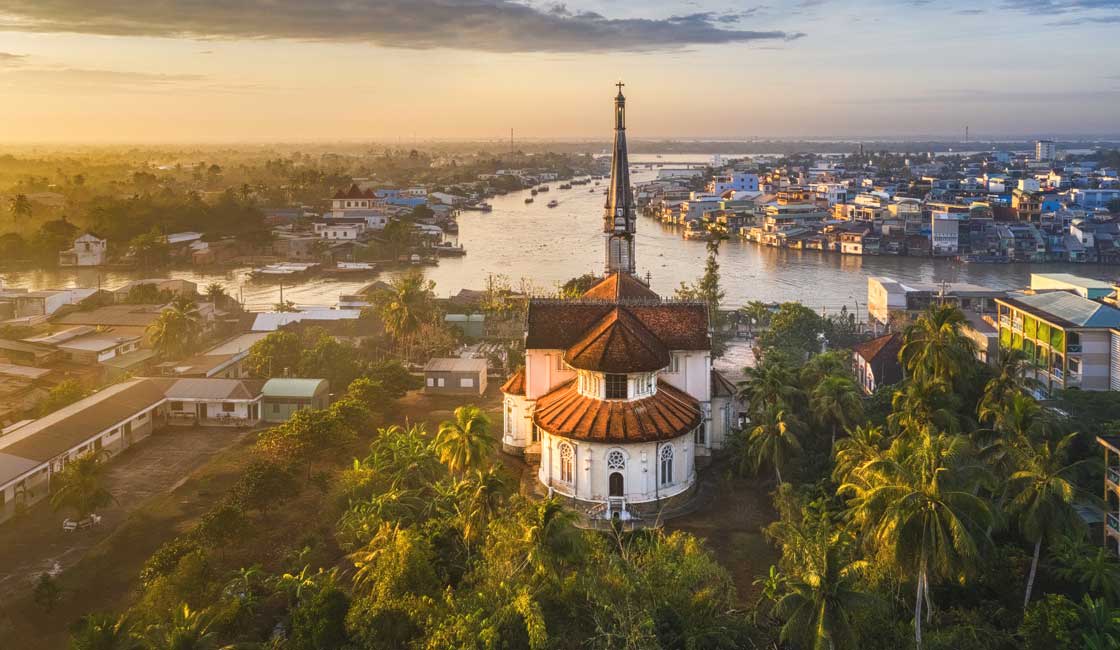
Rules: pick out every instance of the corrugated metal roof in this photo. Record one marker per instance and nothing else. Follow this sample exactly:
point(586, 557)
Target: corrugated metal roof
point(289, 387)
point(1069, 308)
point(455, 365)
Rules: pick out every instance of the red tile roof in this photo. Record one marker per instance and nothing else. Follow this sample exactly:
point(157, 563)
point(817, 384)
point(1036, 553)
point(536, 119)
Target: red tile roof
point(560, 324)
point(620, 287)
point(355, 192)
point(886, 346)
point(618, 343)
point(668, 414)
point(515, 385)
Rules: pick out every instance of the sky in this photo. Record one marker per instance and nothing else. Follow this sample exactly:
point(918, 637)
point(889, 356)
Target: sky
point(92, 71)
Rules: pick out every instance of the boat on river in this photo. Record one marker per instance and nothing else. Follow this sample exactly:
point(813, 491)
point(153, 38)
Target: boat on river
point(352, 269)
point(553, 203)
point(284, 271)
point(447, 249)
point(565, 186)
point(529, 200)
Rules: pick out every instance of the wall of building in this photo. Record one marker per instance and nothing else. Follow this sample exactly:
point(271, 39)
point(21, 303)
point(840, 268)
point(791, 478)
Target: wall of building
point(640, 470)
point(545, 370)
point(473, 383)
point(517, 423)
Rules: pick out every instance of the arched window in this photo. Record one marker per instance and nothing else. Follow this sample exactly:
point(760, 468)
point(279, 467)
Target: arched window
point(666, 458)
point(616, 460)
point(566, 462)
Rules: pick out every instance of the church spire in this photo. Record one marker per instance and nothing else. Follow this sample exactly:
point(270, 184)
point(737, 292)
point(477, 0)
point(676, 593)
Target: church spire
point(618, 216)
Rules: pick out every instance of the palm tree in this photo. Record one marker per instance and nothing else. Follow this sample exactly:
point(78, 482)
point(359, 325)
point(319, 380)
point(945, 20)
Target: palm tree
point(770, 382)
point(1019, 415)
point(773, 441)
point(1091, 566)
point(1010, 380)
point(834, 363)
point(465, 442)
point(1043, 492)
point(817, 608)
point(216, 294)
point(548, 535)
point(187, 630)
point(917, 506)
point(863, 444)
point(20, 207)
point(933, 346)
point(404, 306)
point(922, 404)
point(104, 632)
point(836, 403)
point(80, 486)
point(178, 327)
point(479, 498)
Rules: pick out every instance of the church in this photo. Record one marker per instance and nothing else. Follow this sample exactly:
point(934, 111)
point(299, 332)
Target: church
point(618, 401)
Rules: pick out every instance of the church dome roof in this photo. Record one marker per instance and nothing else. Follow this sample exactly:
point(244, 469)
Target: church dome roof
point(515, 385)
point(618, 343)
point(669, 413)
point(619, 287)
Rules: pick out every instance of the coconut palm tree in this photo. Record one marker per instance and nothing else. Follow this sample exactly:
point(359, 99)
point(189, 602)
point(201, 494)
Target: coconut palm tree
point(758, 314)
point(863, 444)
point(404, 306)
point(818, 606)
point(774, 441)
point(922, 404)
point(216, 293)
point(479, 498)
point(187, 630)
point(548, 534)
point(836, 402)
point(20, 207)
point(933, 347)
point(770, 382)
point(1018, 415)
point(177, 329)
point(1043, 492)
point(104, 632)
point(80, 486)
point(1010, 380)
point(465, 442)
point(917, 506)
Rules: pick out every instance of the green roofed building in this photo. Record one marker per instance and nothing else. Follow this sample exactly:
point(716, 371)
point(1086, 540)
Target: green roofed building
point(1066, 337)
point(282, 397)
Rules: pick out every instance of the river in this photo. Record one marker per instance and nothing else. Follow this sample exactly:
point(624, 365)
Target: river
point(541, 247)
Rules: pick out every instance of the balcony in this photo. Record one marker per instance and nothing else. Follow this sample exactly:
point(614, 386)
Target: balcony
point(1073, 349)
point(1112, 522)
point(1112, 475)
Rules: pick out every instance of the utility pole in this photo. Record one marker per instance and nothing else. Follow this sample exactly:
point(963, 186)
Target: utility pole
point(511, 139)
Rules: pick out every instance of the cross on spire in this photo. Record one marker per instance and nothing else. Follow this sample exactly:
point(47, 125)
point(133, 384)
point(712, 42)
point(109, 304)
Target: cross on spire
point(620, 85)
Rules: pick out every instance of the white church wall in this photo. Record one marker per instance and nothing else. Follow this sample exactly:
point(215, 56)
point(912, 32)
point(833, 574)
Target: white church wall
point(516, 421)
point(690, 371)
point(641, 469)
point(544, 371)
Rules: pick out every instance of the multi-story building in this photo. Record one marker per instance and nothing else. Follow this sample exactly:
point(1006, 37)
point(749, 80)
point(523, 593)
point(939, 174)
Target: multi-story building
point(1067, 338)
point(1045, 150)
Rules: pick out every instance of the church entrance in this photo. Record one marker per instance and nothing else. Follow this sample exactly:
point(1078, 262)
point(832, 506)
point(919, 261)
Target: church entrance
point(615, 484)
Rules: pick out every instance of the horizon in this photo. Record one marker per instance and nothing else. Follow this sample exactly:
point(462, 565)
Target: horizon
point(117, 72)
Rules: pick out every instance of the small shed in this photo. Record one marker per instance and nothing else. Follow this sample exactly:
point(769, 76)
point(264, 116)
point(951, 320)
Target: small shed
point(282, 397)
point(455, 376)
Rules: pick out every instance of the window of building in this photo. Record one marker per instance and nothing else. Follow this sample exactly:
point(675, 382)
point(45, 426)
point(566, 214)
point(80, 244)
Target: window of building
point(675, 363)
point(616, 386)
point(666, 458)
point(176, 406)
point(649, 384)
point(466, 382)
point(440, 382)
point(567, 462)
point(228, 407)
point(616, 460)
point(431, 382)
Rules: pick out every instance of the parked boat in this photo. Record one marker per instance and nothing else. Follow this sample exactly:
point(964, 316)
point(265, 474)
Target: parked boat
point(553, 203)
point(565, 186)
point(283, 270)
point(351, 269)
point(447, 249)
point(542, 188)
point(529, 200)
point(479, 207)
point(533, 191)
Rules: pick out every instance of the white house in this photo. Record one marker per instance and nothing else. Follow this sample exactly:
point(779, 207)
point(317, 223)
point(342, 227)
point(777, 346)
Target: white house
point(88, 250)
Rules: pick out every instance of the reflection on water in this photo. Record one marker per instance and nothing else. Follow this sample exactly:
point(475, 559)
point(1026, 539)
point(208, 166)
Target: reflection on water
point(546, 246)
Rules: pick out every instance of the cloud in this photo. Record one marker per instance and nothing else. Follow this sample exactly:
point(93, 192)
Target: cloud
point(9, 59)
point(485, 25)
point(1061, 6)
point(52, 78)
point(1085, 20)
point(985, 96)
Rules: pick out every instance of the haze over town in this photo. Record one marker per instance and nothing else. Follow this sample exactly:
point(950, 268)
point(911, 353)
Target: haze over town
point(122, 71)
